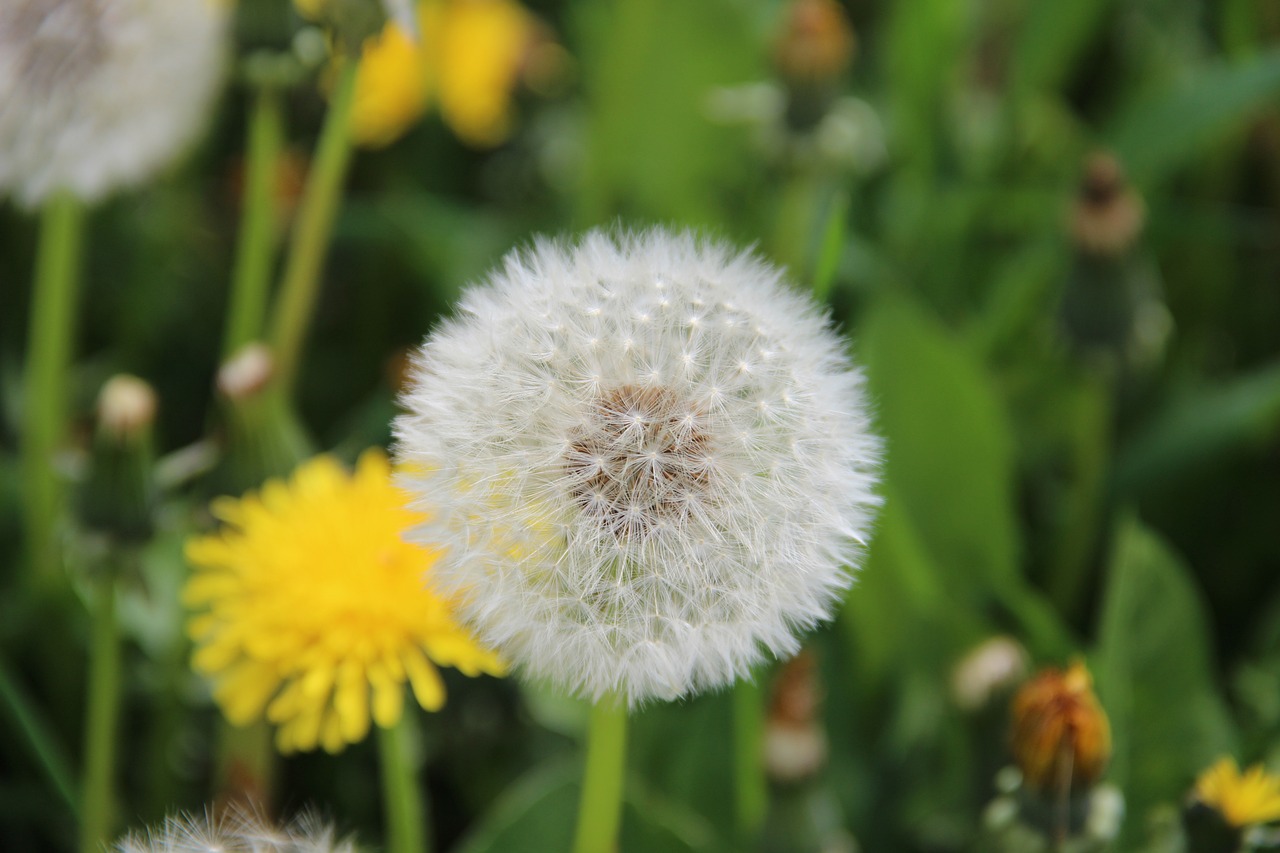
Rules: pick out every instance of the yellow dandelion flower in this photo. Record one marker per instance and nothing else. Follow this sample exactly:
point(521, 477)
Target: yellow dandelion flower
point(480, 47)
point(467, 59)
point(1242, 799)
point(392, 87)
point(313, 610)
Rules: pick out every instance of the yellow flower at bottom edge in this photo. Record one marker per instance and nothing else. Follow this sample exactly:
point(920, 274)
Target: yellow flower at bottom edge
point(315, 611)
point(1242, 799)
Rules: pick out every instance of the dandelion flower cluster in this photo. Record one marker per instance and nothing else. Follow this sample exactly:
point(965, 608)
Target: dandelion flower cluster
point(98, 95)
point(1243, 799)
point(235, 832)
point(315, 609)
point(647, 460)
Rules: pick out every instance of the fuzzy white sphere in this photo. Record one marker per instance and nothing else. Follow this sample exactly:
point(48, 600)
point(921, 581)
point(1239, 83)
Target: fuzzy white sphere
point(98, 95)
point(647, 461)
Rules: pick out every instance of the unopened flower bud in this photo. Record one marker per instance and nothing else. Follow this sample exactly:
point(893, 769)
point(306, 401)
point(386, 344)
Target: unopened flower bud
point(247, 372)
point(126, 407)
point(117, 498)
point(812, 54)
point(1108, 214)
point(795, 745)
point(817, 42)
point(991, 666)
point(1061, 737)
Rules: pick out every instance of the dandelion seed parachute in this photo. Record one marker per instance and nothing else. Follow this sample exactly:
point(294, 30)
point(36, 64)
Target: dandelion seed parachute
point(235, 832)
point(648, 461)
point(99, 95)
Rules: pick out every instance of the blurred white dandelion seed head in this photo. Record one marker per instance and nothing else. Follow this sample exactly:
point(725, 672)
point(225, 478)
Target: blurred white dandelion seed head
point(236, 831)
point(648, 461)
point(98, 95)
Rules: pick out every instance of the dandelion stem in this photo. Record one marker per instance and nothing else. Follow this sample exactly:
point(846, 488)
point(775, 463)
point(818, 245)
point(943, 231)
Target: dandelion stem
point(257, 240)
point(600, 806)
point(44, 412)
point(751, 797)
point(405, 798)
point(246, 766)
point(101, 718)
point(312, 231)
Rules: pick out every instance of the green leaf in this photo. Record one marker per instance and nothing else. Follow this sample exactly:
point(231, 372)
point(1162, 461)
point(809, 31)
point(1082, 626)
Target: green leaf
point(925, 40)
point(540, 811)
point(949, 456)
point(1200, 428)
point(898, 592)
point(1154, 673)
point(1161, 134)
point(647, 69)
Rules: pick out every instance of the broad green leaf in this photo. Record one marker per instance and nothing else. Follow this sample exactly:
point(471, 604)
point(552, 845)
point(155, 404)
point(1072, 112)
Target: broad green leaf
point(949, 448)
point(1154, 673)
point(897, 593)
point(1159, 135)
point(539, 814)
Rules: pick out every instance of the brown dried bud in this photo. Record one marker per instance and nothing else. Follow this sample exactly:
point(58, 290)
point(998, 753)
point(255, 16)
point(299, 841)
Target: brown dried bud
point(795, 744)
point(1061, 737)
point(817, 44)
point(1108, 214)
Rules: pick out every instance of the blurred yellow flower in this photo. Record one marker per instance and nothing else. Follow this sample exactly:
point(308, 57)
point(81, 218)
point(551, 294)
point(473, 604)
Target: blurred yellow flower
point(480, 47)
point(1061, 736)
point(468, 59)
point(393, 87)
point(1242, 800)
point(315, 611)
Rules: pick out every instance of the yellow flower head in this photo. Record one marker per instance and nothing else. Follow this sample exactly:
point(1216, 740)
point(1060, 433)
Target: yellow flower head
point(393, 87)
point(1060, 733)
point(1242, 800)
point(468, 58)
point(481, 45)
point(314, 610)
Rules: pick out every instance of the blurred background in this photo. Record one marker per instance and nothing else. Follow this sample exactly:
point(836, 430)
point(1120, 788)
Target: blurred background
point(1052, 233)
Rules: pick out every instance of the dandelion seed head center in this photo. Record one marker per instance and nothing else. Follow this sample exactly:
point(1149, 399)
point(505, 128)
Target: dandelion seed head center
point(56, 42)
point(640, 461)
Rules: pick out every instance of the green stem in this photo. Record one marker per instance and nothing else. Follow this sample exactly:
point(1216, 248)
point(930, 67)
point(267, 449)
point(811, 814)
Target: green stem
point(25, 719)
point(600, 806)
point(312, 231)
point(53, 310)
point(101, 719)
point(246, 766)
point(257, 240)
point(406, 802)
point(751, 793)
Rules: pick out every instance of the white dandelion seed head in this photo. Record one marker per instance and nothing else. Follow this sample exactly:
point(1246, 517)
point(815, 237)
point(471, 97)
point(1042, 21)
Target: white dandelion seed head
point(647, 461)
point(236, 831)
point(99, 95)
